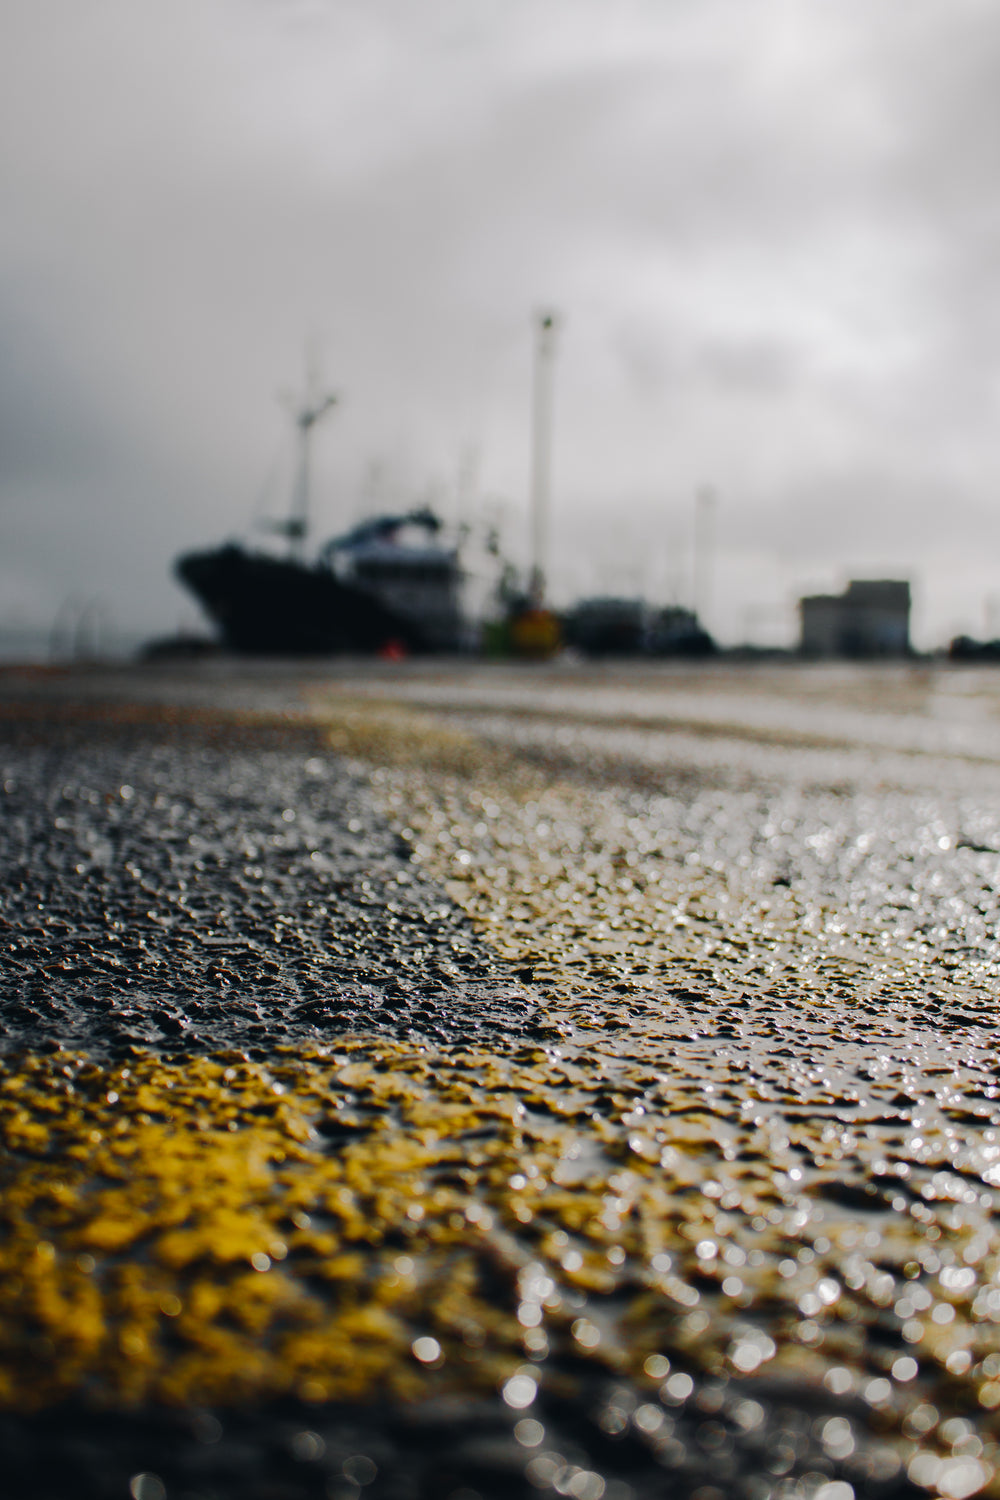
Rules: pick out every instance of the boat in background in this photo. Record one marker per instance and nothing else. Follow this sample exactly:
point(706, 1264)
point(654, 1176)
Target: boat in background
point(389, 586)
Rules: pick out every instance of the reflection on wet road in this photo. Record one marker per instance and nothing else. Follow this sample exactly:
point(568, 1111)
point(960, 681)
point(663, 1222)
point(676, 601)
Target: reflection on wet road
point(425, 1096)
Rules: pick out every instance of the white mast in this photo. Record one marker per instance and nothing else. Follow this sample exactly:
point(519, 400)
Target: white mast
point(546, 325)
point(297, 526)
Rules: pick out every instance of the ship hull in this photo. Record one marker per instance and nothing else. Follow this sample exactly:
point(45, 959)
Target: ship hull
point(266, 606)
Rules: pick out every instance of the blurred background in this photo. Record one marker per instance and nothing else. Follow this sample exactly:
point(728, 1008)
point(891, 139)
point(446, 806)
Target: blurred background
point(770, 233)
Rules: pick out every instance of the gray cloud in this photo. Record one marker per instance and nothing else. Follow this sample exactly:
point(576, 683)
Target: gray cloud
point(772, 231)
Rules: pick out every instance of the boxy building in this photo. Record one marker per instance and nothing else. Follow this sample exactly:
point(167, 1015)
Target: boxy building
point(870, 619)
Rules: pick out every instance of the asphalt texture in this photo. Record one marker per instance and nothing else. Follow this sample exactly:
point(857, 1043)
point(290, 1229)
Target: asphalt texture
point(192, 895)
point(214, 880)
point(571, 1088)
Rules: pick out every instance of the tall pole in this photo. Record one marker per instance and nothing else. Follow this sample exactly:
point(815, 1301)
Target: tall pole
point(298, 522)
point(546, 325)
point(703, 527)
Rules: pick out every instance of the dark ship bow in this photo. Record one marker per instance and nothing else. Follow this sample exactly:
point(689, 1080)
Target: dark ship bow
point(268, 606)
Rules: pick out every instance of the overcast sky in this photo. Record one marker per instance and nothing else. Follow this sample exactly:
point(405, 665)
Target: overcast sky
point(771, 227)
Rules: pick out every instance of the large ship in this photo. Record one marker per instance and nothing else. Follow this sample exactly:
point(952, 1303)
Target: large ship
point(390, 585)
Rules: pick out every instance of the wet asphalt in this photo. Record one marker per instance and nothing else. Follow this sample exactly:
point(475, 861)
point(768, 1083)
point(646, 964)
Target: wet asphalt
point(192, 896)
point(206, 876)
point(214, 880)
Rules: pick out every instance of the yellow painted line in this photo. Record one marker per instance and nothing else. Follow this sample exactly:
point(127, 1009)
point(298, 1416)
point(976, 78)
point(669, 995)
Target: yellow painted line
point(217, 1230)
point(646, 1190)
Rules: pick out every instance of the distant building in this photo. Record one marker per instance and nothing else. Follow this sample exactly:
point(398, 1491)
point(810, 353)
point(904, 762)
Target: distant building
point(871, 618)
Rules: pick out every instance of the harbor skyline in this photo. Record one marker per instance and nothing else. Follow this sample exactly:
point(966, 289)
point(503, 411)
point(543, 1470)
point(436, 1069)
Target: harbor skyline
point(768, 237)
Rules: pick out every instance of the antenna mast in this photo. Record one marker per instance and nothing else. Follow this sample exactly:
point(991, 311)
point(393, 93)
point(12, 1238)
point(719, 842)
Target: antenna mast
point(297, 526)
point(546, 325)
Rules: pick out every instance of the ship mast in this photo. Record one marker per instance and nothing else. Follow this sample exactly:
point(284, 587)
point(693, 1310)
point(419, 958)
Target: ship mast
point(307, 413)
point(298, 522)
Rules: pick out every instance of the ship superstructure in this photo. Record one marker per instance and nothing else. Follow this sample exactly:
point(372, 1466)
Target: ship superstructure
point(388, 585)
